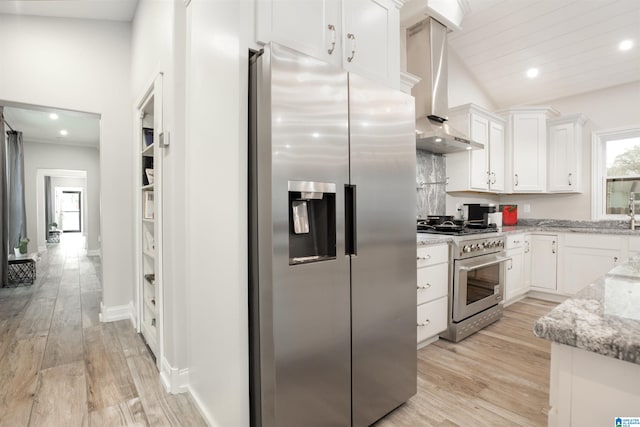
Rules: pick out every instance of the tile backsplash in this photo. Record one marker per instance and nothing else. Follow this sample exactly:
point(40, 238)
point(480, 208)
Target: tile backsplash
point(430, 184)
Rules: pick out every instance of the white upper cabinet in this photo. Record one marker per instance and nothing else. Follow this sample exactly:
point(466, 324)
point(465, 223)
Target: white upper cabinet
point(527, 149)
point(362, 36)
point(565, 153)
point(477, 170)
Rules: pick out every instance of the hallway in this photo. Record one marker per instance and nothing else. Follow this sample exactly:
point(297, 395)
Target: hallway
point(59, 366)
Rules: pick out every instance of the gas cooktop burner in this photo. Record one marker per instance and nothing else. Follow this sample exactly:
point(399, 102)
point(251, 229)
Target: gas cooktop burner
point(451, 229)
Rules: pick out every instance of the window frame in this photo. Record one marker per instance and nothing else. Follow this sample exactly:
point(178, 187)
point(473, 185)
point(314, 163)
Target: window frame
point(598, 169)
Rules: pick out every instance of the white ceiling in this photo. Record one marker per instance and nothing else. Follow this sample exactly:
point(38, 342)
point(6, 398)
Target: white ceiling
point(36, 126)
point(111, 10)
point(572, 42)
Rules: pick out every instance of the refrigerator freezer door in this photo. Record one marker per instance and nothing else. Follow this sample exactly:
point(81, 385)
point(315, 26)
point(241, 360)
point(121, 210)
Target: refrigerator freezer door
point(300, 313)
point(383, 153)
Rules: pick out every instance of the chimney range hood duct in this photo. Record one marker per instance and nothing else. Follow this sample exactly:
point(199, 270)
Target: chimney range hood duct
point(427, 58)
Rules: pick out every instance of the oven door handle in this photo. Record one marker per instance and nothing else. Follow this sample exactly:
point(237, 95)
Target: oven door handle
point(486, 264)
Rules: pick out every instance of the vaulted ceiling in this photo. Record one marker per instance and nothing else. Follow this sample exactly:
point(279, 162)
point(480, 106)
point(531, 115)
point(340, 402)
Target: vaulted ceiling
point(572, 43)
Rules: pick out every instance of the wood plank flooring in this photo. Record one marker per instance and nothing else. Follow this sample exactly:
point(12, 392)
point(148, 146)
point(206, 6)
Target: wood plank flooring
point(59, 366)
point(496, 377)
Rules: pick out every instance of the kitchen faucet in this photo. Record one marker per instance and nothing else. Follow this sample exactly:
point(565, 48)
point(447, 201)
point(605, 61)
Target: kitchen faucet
point(632, 210)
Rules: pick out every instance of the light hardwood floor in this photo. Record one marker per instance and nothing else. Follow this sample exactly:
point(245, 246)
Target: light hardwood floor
point(496, 377)
point(59, 366)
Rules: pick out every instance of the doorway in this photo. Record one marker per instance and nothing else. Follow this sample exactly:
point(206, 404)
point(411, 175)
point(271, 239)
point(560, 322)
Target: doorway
point(71, 211)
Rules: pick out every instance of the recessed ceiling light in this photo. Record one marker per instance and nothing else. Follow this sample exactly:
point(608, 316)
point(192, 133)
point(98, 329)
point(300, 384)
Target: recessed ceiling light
point(532, 73)
point(53, 116)
point(438, 139)
point(63, 132)
point(469, 148)
point(625, 44)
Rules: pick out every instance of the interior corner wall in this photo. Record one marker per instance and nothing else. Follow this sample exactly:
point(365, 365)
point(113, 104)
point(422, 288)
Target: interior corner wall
point(217, 225)
point(464, 88)
point(55, 156)
point(158, 45)
point(83, 65)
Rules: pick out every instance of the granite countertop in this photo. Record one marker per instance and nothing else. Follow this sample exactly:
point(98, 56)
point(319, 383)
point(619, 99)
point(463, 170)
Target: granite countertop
point(603, 318)
point(564, 226)
point(424, 239)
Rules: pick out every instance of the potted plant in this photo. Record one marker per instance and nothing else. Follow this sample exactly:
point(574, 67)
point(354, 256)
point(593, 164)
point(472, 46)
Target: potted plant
point(53, 226)
point(21, 247)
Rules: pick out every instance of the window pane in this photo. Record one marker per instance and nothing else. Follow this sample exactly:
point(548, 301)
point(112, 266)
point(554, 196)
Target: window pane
point(623, 157)
point(618, 192)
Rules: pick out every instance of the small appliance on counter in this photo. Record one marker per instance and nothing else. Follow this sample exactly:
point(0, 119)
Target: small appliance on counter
point(478, 213)
point(509, 214)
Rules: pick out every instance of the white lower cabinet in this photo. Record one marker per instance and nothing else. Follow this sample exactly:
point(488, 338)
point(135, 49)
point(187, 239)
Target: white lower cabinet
point(514, 276)
point(544, 262)
point(586, 257)
point(432, 288)
point(432, 318)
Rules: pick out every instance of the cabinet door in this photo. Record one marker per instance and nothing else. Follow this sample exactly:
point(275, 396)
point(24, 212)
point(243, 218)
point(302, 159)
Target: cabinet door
point(563, 158)
point(582, 266)
point(544, 261)
point(496, 156)
point(479, 158)
point(311, 26)
point(529, 152)
point(371, 40)
point(527, 262)
point(514, 278)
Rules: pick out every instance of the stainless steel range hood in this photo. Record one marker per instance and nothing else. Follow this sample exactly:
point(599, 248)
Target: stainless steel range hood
point(427, 58)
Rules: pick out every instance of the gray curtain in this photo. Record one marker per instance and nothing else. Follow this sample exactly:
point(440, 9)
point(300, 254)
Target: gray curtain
point(4, 212)
point(48, 205)
point(17, 211)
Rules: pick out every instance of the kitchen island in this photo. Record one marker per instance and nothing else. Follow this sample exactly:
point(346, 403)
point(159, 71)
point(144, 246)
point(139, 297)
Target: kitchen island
point(595, 352)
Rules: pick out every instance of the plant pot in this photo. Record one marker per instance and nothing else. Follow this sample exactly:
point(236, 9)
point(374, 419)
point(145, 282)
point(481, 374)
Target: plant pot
point(17, 252)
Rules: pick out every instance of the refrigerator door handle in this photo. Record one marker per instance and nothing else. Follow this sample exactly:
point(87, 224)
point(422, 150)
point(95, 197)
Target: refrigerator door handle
point(350, 220)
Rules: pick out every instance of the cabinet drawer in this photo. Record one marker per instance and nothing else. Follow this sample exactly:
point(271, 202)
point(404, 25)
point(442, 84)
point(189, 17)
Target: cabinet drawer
point(431, 255)
point(595, 241)
point(514, 241)
point(432, 282)
point(432, 318)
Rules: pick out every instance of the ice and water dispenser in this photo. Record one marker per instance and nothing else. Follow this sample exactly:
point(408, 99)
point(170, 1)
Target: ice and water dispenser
point(312, 221)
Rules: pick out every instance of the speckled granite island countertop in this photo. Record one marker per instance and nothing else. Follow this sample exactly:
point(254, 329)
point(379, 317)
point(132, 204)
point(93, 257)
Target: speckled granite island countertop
point(603, 318)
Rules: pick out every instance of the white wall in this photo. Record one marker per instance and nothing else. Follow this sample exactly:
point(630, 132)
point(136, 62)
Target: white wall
point(611, 108)
point(463, 86)
point(83, 65)
point(217, 66)
point(158, 45)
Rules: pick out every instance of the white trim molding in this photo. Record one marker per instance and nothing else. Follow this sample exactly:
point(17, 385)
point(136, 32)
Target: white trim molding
point(118, 312)
point(174, 380)
point(94, 252)
point(598, 171)
point(201, 407)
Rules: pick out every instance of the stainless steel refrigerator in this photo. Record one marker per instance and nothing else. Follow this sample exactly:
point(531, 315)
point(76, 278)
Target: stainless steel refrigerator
point(332, 244)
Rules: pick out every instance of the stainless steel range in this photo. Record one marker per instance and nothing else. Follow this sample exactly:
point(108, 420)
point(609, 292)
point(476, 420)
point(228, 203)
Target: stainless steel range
point(476, 280)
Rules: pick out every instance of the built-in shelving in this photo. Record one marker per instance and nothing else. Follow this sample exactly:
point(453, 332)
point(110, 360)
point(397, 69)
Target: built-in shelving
point(148, 184)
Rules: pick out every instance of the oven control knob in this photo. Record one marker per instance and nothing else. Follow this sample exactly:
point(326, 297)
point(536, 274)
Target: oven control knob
point(481, 246)
point(500, 243)
point(490, 244)
point(466, 248)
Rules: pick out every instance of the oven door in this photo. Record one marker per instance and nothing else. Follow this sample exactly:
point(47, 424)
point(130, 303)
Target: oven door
point(478, 284)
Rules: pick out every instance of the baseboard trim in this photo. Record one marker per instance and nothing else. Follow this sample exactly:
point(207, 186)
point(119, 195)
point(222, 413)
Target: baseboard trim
point(547, 296)
point(174, 380)
point(94, 252)
point(201, 407)
point(118, 312)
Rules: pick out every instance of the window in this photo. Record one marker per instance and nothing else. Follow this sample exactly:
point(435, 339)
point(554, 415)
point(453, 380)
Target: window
point(616, 172)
